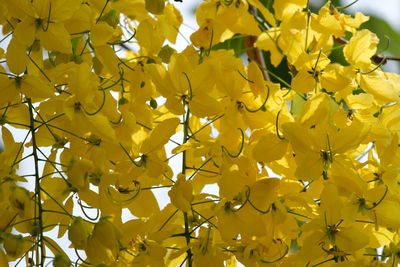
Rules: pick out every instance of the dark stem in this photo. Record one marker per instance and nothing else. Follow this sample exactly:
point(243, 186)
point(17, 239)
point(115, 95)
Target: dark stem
point(254, 53)
point(185, 215)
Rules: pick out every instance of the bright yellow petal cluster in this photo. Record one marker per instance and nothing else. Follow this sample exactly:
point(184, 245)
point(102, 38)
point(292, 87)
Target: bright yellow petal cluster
point(139, 154)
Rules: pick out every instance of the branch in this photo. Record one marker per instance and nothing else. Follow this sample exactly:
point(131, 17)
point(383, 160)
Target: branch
point(254, 53)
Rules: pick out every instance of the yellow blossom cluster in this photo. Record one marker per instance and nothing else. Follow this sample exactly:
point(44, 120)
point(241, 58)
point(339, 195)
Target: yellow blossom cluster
point(305, 170)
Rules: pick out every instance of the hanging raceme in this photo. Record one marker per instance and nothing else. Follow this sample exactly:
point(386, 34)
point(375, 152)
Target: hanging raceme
point(121, 148)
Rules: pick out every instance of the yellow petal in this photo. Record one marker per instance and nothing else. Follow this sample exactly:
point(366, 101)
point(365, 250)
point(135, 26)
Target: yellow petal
point(351, 239)
point(102, 126)
point(101, 33)
point(268, 41)
point(60, 260)
point(232, 183)
point(25, 31)
point(269, 148)
point(105, 232)
point(203, 105)
point(256, 77)
point(8, 91)
point(345, 177)
point(3, 259)
point(334, 78)
point(97, 253)
point(78, 232)
point(360, 49)
point(13, 245)
point(78, 172)
point(327, 22)
point(263, 192)
point(361, 101)
point(380, 86)
point(151, 43)
point(16, 57)
point(108, 59)
point(56, 38)
point(239, 20)
point(286, 8)
point(160, 135)
point(144, 205)
point(62, 10)
point(33, 86)
point(170, 22)
point(304, 82)
point(388, 214)
point(315, 109)
point(309, 166)
point(181, 194)
point(155, 6)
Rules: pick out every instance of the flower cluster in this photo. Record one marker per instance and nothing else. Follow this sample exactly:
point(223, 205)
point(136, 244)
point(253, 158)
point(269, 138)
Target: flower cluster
point(259, 169)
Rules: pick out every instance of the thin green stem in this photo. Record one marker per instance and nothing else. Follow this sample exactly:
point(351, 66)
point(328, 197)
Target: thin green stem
point(68, 132)
point(54, 166)
point(205, 125)
point(97, 20)
point(167, 220)
point(57, 203)
point(206, 220)
point(199, 168)
point(202, 170)
point(41, 246)
point(40, 69)
point(21, 147)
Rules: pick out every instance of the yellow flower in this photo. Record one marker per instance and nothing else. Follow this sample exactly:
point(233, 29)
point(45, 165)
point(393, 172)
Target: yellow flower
point(285, 9)
point(181, 194)
point(330, 234)
point(27, 85)
point(361, 47)
point(316, 143)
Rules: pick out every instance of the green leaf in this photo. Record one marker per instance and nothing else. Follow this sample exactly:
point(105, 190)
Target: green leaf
point(336, 55)
point(282, 70)
point(235, 43)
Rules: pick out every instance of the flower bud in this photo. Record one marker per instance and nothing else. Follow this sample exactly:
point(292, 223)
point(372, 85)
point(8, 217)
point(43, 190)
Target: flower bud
point(61, 261)
point(106, 233)
point(97, 253)
point(78, 233)
point(155, 6)
point(78, 173)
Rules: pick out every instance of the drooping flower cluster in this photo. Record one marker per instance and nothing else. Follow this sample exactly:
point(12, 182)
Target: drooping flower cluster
point(290, 172)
